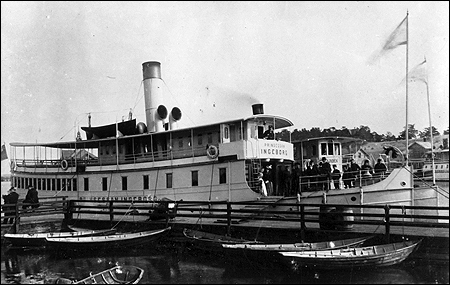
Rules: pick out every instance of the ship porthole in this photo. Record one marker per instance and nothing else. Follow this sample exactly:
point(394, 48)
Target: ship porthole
point(64, 164)
point(212, 152)
point(403, 183)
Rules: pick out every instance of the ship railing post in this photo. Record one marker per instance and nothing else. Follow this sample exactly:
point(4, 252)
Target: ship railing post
point(228, 218)
point(302, 223)
point(387, 223)
point(111, 211)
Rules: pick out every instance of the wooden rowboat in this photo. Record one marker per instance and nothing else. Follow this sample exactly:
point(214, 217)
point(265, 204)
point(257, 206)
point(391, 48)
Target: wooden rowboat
point(39, 239)
point(109, 241)
point(378, 255)
point(210, 241)
point(324, 245)
point(128, 274)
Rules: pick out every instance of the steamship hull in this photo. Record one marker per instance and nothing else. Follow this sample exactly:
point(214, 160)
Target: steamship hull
point(155, 160)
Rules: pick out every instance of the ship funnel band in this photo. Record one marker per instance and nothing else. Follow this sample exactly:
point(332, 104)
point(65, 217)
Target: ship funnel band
point(176, 113)
point(162, 112)
point(258, 109)
point(151, 69)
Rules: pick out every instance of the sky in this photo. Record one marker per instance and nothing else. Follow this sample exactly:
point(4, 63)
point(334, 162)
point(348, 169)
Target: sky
point(306, 61)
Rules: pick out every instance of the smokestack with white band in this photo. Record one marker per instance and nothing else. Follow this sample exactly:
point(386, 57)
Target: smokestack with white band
point(153, 96)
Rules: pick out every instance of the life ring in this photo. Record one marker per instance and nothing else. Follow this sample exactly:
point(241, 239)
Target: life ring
point(212, 152)
point(64, 164)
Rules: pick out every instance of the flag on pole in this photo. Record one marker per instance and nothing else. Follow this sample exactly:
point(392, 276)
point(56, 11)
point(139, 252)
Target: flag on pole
point(418, 73)
point(397, 38)
point(4, 154)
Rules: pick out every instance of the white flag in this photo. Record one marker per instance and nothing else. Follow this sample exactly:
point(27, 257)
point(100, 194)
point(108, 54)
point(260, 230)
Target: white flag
point(418, 73)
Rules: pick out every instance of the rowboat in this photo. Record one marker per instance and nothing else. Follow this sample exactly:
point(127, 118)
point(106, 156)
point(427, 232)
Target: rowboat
point(378, 255)
point(210, 241)
point(109, 241)
point(303, 246)
point(128, 274)
point(39, 239)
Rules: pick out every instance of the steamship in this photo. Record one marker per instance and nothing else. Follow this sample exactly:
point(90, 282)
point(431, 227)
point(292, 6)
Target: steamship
point(155, 160)
point(217, 162)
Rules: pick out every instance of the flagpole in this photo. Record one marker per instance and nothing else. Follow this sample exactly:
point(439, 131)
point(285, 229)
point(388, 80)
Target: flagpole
point(406, 128)
point(431, 132)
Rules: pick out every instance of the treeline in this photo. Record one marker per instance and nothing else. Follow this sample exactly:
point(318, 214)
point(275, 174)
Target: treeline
point(361, 132)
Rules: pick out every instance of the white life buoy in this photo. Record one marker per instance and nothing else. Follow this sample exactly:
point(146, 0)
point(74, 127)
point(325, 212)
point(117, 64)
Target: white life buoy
point(212, 152)
point(64, 164)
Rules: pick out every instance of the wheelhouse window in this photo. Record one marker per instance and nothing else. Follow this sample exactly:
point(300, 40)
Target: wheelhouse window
point(194, 177)
point(105, 183)
point(74, 187)
point(169, 180)
point(146, 182)
point(222, 175)
point(124, 183)
point(86, 184)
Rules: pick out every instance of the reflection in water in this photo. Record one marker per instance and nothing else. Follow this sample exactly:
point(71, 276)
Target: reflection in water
point(175, 263)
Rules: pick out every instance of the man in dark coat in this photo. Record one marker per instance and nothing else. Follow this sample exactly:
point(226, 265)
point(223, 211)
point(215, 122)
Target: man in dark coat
point(32, 198)
point(11, 198)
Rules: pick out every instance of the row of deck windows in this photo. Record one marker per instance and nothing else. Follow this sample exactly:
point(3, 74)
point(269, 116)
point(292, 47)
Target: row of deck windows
point(63, 184)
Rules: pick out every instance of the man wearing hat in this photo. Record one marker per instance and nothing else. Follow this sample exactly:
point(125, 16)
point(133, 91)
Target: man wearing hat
point(11, 198)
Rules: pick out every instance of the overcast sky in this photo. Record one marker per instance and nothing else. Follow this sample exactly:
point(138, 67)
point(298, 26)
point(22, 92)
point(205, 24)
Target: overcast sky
point(307, 61)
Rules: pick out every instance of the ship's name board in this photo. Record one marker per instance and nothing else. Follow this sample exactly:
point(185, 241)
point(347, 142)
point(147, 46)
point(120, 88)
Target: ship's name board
point(275, 150)
point(129, 198)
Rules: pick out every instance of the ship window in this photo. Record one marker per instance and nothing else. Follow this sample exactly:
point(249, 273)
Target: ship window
point(146, 186)
point(200, 139)
point(49, 184)
point(105, 183)
point(330, 149)
point(222, 175)
point(39, 184)
point(124, 183)
point(210, 138)
point(323, 149)
point(58, 184)
point(35, 182)
point(69, 184)
point(74, 181)
point(180, 142)
point(337, 149)
point(44, 184)
point(53, 184)
point(21, 183)
point(194, 175)
point(63, 184)
point(226, 133)
point(168, 180)
point(86, 184)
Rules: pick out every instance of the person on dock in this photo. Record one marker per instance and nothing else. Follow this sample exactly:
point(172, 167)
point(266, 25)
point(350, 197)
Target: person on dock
point(32, 197)
point(11, 198)
point(336, 176)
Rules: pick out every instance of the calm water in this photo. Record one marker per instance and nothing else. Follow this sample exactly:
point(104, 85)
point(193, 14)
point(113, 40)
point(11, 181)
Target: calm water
point(176, 263)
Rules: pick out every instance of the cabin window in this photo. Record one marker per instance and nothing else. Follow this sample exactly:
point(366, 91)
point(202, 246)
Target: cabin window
point(53, 184)
point(146, 185)
point(337, 149)
point(124, 183)
point(226, 133)
point(260, 131)
point(74, 188)
point(86, 184)
point(168, 180)
point(330, 149)
point(69, 184)
point(35, 182)
point(199, 139)
point(210, 138)
point(180, 142)
point(49, 184)
point(323, 149)
point(58, 184)
point(105, 183)
point(222, 175)
point(194, 176)
point(232, 133)
point(22, 185)
point(39, 184)
point(63, 184)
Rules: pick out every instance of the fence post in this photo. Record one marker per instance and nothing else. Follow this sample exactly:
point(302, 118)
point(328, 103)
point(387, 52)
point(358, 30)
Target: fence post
point(387, 223)
point(228, 218)
point(17, 220)
point(302, 222)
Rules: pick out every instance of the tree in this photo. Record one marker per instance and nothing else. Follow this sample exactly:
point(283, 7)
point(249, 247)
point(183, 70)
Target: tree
point(446, 132)
point(412, 132)
point(426, 132)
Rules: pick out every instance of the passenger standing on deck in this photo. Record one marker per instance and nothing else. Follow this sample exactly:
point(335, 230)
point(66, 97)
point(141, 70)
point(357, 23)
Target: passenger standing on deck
point(296, 174)
point(262, 184)
point(31, 197)
point(346, 177)
point(354, 171)
point(267, 176)
point(314, 175)
point(336, 176)
point(326, 173)
point(366, 169)
point(380, 168)
point(11, 198)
